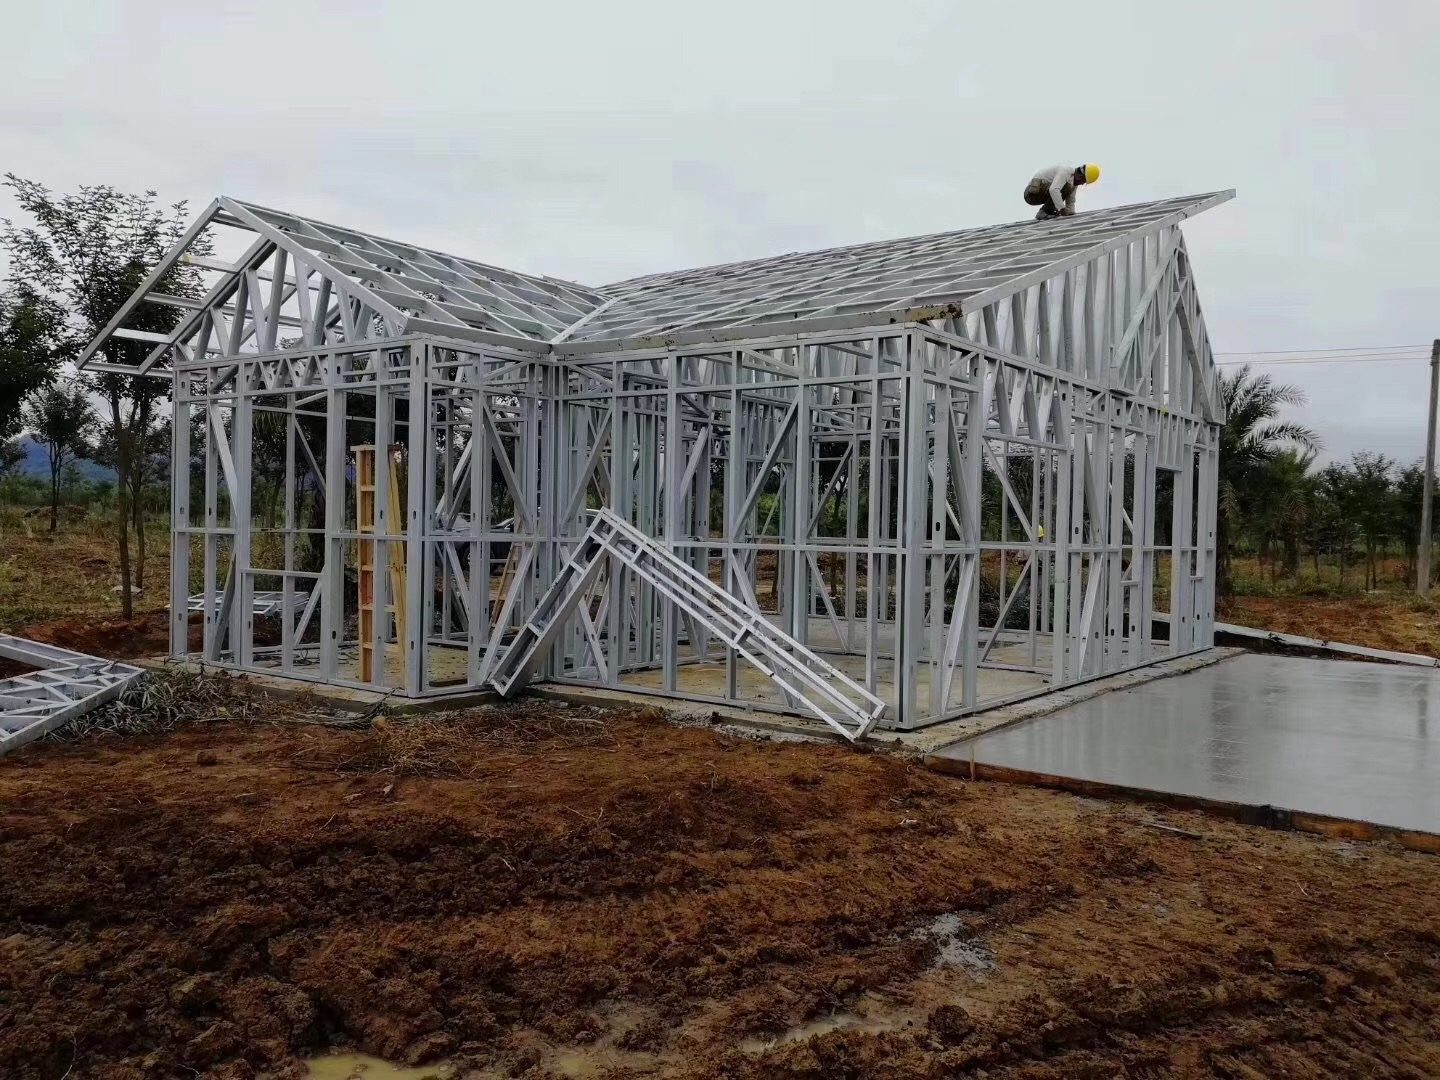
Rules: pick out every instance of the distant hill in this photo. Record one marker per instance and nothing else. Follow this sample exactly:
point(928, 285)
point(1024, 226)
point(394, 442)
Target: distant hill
point(37, 463)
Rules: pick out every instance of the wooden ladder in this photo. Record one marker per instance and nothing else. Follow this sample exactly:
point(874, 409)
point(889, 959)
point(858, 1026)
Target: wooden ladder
point(507, 572)
point(365, 511)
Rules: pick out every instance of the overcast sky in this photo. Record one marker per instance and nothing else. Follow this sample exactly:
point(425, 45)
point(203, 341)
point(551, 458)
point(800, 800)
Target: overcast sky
point(597, 141)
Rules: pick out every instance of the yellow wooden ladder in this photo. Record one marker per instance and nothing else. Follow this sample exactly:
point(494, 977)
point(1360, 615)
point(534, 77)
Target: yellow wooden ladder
point(365, 523)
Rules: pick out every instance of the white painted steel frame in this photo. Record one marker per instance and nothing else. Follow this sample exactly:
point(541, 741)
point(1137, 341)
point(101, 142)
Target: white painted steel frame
point(971, 488)
point(805, 677)
point(65, 684)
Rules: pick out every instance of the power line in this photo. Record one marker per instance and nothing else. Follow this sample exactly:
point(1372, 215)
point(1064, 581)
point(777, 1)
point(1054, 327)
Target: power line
point(1288, 361)
point(1345, 349)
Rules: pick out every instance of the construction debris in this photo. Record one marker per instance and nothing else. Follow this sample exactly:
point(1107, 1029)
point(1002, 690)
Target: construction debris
point(64, 685)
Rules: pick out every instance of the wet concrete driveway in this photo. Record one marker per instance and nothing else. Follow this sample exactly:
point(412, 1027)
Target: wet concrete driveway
point(1349, 740)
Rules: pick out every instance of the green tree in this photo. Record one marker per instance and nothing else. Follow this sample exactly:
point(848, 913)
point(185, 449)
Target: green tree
point(12, 456)
point(1251, 438)
point(31, 348)
point(1283, 518)
point(149, 466)
point(62, 419)
point(1331, 529)
point(71, 480)
point(86, 252)
point(1409, 494)
point(1371, 505)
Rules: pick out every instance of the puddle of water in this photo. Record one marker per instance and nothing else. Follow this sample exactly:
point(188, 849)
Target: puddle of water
point(958, 949)
point(821, 1025)
point(364, 1067)
point(573, 1063)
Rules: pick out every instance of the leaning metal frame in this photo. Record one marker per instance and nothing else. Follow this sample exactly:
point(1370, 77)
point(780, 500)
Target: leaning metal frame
point(936, 461)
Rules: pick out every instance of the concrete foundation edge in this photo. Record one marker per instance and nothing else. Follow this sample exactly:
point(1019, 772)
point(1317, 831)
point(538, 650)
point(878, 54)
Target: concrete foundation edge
point(741, 721)
point(1270, 817)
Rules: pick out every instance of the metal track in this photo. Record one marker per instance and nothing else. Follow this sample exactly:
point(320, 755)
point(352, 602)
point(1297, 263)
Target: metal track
point(812, 682)
point(68, 684)
point(262, 603)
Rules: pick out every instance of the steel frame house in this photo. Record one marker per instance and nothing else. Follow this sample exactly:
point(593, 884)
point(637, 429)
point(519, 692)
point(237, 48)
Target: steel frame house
point(938, 473)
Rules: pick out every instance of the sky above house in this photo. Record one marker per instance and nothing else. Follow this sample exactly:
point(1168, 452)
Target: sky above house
point(601, 141)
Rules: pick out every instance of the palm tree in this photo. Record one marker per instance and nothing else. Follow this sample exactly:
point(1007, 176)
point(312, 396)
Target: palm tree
point(1284, 518)
point(1249, 442)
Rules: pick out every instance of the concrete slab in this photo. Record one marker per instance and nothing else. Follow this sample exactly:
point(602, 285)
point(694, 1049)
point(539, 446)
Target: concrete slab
point(1341, 740)
point(920, 741)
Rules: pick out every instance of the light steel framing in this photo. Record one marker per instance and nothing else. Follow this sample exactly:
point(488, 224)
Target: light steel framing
point(963, 469)
point(62, 685)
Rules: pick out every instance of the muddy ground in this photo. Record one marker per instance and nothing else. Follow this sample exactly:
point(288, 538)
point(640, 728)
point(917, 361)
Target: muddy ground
point(1398, 623)
point(540, 891)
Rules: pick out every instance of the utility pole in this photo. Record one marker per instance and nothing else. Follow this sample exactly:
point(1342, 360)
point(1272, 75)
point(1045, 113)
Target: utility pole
point(1422, 571)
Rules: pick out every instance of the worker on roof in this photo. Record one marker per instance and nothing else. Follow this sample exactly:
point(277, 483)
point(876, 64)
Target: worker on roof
point(1053, 189)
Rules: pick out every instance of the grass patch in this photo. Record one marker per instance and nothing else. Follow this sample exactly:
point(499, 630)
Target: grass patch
point(70, 573)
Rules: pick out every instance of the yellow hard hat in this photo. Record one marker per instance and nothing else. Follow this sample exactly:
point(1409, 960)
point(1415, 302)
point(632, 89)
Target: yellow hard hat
point(1092, 173)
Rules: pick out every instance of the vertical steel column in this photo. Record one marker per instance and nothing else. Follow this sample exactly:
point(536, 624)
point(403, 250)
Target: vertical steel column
point(544, 463)
point(1180, 553)
point(214, 632)
point(180, 389)
point(242, 619)
point(419, 598)
point(645, 477)
point(1038, 575)
point(910, 572)
point(1080, 466)
point(483, 459)
point(1205, 538)
point(674, 466)
point(796, 530)
point(332, 606)
point(735, 481)
point(382, 591)
point(480, 527)
point(1142, 556)
point(620, 503)
point(852, 522)
point(875, 584)
point(939, 465)
point(1068, 529)
point(287, 582)
point(1113, 654)
point(972, 451)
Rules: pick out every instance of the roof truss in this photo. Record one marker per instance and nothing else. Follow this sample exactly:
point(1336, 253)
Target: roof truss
point(302, 282)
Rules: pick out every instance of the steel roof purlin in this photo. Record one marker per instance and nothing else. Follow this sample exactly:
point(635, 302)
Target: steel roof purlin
point(889, 281)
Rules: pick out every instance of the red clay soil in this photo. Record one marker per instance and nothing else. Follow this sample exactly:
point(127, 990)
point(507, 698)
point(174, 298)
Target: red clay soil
point(147, 634)
point(10, 668)
point(1386, 621)
point(543, 892)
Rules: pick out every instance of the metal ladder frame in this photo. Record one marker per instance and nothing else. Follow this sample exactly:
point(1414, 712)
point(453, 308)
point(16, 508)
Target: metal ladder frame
point(805, 676)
